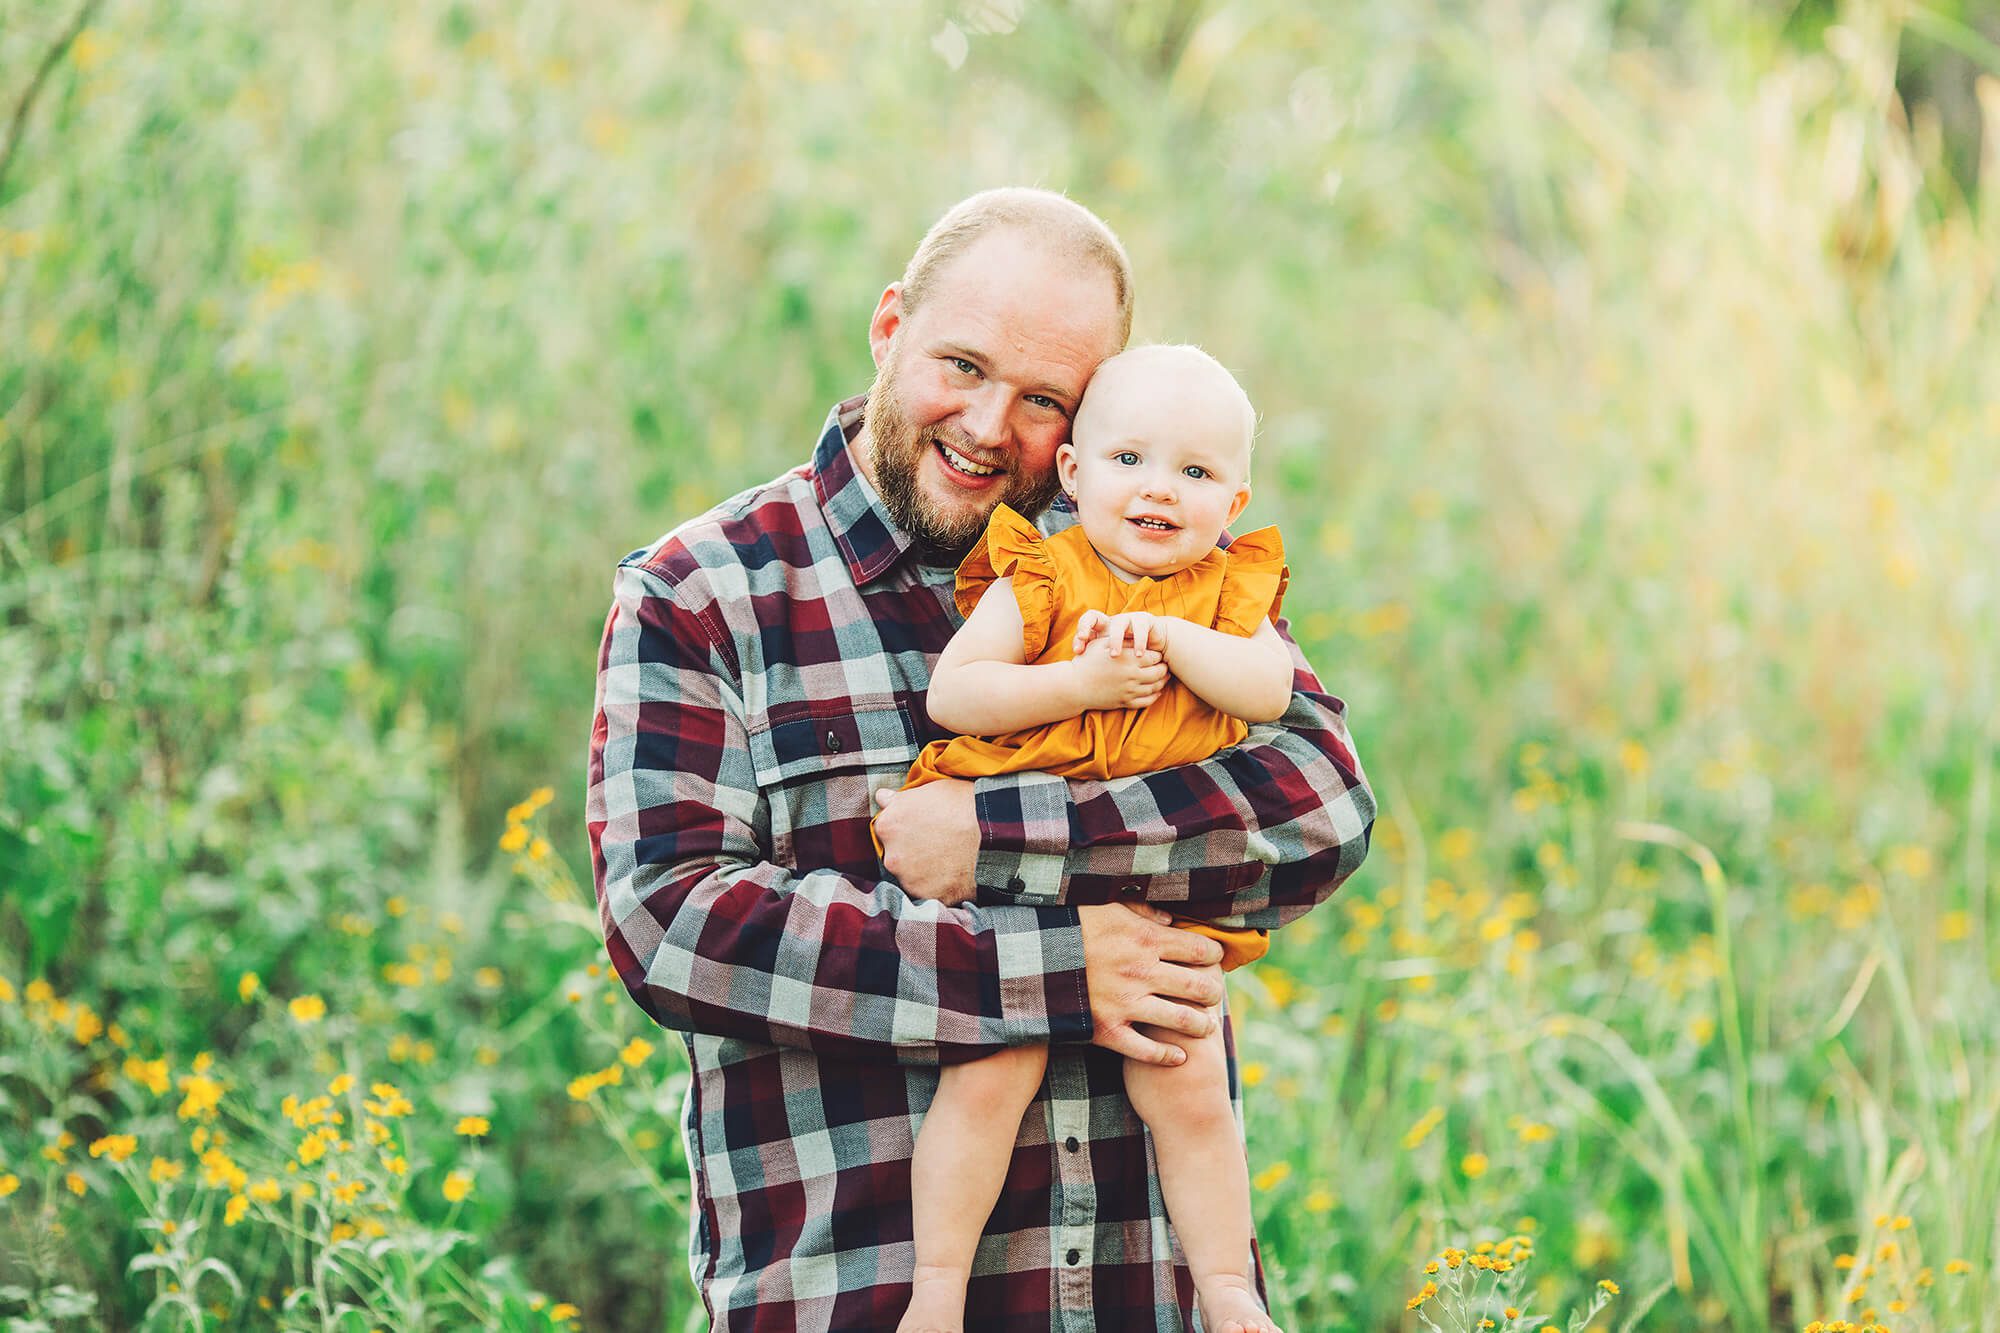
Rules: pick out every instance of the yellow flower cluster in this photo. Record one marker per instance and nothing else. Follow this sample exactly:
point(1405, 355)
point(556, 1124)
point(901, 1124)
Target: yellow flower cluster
point(584, 1085)
point(517, 837)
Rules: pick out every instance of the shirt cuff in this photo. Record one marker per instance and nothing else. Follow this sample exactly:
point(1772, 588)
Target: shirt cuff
point(1042, 992)
point(1024, 837)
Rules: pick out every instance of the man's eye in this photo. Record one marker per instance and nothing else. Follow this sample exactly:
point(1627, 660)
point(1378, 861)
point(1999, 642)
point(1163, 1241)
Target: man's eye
point(963, 367)
point(1043, 400)
point(1126, 457)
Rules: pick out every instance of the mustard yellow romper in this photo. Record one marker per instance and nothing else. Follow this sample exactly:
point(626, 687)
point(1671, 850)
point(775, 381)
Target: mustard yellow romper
point(1057, 579)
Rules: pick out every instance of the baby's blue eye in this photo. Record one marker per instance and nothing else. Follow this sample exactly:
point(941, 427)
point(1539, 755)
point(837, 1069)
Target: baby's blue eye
point(1127, 457)
point(1195, 470)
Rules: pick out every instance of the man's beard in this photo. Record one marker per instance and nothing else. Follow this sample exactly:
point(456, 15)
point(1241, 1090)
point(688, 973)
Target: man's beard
point(898, 453)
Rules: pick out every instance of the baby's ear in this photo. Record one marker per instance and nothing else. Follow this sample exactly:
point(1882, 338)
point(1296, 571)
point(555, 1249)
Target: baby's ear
point(1066, 467)
point(1236, 505)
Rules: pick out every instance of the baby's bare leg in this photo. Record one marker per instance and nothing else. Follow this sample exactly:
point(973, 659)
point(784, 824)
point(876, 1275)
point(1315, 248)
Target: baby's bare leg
point(1203, 1177)
point(956, 1173)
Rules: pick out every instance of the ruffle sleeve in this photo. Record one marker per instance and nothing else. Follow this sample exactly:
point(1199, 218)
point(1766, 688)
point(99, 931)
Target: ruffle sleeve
point(1253, 582)
point(1012, 548)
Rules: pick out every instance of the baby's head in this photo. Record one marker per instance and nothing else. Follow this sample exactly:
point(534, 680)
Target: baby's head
point(1158, 460)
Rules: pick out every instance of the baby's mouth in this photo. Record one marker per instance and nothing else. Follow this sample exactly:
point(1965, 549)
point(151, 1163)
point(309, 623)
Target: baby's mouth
point(1153, 524)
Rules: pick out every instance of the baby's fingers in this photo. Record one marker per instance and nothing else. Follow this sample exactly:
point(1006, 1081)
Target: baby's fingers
point(1088, 627)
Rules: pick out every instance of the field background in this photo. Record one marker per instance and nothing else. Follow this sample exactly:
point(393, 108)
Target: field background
point(1630, 379)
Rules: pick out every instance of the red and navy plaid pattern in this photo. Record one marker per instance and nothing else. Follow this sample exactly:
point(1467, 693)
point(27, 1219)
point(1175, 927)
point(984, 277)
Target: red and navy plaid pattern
point(763, 670)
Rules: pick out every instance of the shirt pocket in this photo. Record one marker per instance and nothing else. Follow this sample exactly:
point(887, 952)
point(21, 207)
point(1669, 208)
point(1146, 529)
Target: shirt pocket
point(818, 765)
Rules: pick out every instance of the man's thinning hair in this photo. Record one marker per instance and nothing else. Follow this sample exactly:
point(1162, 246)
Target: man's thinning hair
point(1051, 219)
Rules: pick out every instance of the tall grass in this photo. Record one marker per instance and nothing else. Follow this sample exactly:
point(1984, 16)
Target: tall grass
point(1627, 401)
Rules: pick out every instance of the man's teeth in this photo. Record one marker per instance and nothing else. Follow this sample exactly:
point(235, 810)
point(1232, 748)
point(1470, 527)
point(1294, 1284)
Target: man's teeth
point(964, 464)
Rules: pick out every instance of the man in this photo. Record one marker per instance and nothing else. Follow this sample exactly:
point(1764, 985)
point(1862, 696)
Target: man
point(763, 673)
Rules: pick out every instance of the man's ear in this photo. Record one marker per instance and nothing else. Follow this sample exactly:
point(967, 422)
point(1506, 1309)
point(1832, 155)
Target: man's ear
point(887, 319)
point(1236, 505)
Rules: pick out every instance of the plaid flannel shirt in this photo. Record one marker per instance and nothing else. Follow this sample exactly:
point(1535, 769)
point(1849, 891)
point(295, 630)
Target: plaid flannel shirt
point(763, 669)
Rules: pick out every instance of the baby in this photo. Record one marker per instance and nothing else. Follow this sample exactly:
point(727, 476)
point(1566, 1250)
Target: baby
point(1125, 644)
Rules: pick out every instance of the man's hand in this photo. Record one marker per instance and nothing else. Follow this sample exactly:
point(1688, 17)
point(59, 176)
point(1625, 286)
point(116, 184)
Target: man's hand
point(930, 839)
point(1138, 969)
point(1106, 679)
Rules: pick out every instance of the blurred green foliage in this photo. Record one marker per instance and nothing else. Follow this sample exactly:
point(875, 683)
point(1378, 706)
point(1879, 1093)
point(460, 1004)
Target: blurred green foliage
point(1627, 395)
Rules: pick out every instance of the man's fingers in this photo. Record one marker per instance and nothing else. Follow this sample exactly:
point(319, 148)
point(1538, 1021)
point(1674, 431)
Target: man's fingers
point(1133, 1045)
point(1185, 1019)
point(1197, 951)
point(1196, 986)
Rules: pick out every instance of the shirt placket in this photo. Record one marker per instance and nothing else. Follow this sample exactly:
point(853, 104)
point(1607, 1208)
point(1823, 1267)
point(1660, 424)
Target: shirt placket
point(1075, 1203)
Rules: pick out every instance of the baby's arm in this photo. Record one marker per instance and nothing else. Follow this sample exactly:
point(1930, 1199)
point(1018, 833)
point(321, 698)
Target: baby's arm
point(982, 687)
point(1247, 678)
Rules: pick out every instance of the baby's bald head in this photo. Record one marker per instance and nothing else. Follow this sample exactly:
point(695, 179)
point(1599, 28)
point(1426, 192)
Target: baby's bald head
point(1169, 386)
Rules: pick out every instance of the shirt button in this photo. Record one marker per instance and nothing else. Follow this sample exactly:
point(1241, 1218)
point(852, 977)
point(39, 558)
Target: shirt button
point(1071, 1143)
point(1131, 893)
point(833, 742)
point(1017, 885)
point(1075, 1255)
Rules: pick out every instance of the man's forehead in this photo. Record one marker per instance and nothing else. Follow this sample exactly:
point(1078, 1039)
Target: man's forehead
point(1029, 291)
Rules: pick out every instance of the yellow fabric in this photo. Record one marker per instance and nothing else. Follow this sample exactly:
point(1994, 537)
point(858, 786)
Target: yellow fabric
point(1055, 580)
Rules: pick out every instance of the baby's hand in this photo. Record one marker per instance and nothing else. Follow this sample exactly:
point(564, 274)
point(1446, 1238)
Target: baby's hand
point(1107, 678)
point(1142, 629)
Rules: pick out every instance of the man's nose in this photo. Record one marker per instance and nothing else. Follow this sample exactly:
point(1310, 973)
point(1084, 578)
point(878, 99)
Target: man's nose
point(985, 416)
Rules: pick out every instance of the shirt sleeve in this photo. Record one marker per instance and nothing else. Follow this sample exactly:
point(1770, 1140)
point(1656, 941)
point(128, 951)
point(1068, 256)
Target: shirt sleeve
point(1258, 834)
point(710, 936)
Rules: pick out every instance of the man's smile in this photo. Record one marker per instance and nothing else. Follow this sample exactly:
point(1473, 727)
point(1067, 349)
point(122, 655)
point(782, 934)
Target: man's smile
point(964, 466)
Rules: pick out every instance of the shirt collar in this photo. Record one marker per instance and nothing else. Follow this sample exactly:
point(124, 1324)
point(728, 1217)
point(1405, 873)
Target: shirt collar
point(870, 540)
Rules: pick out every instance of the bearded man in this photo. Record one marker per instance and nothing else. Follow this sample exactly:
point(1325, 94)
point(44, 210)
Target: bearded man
point(763, 672)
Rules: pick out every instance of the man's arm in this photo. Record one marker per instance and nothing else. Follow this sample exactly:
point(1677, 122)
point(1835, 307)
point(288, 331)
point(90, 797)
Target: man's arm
point(709, 935)
point(1265, 830)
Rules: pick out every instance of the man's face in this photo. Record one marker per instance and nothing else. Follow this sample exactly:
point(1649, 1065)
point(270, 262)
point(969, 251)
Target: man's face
point(974, 390)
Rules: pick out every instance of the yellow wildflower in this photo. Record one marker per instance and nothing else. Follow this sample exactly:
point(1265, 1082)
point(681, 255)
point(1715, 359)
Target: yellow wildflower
point(117, 1146)
point(457, 1186)
point(163, 1171)
point(76, 1185)
point(1607, 1285)
point(232, 1212)
point(246, 986)
point(266, 1190)
point(1956, 1267)
point(514, 839)
point(308, 1009)
point(636, 1050)
point(562, 1312)
point(1420, 1131)
point(340, 1085)
point(311, 1148)
point(200, 1094)
point(1272, 1175)
point(472, 1126)
point(342, 1231)
point(538, 850)
point(1473, 1164)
